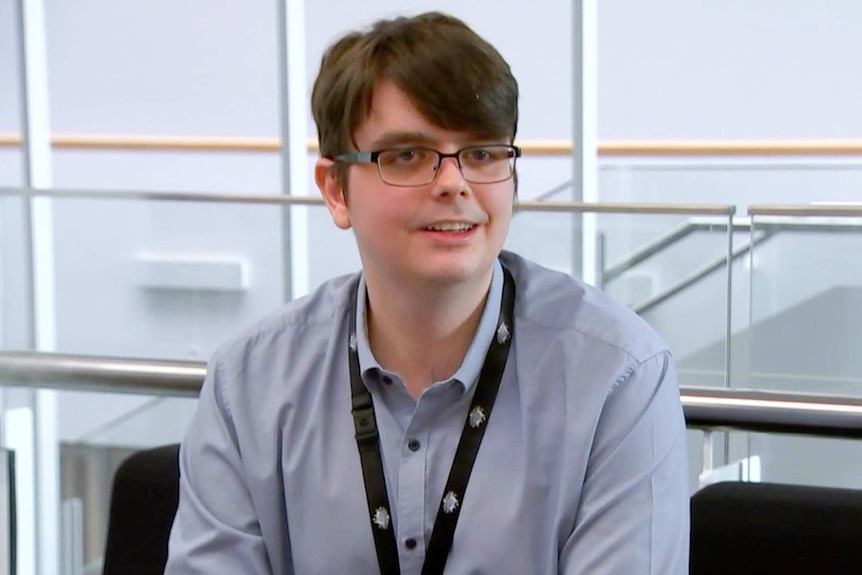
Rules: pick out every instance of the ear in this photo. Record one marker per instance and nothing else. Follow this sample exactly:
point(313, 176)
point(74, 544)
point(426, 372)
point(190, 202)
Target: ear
point(333, 194)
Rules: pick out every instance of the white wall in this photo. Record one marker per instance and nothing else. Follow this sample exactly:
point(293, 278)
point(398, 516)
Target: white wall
point(729, 69)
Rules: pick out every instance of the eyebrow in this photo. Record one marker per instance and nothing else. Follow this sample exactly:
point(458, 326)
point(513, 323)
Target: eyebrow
point(394, 139)
point(407, 138)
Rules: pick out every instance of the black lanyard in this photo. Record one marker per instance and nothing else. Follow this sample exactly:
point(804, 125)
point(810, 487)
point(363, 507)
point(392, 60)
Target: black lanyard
point(471, 437)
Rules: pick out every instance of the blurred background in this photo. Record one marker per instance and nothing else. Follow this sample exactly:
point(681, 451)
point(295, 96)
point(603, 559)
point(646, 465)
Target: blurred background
point(702, 161)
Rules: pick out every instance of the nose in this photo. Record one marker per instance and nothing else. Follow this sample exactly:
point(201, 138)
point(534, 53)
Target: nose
point(449, 179)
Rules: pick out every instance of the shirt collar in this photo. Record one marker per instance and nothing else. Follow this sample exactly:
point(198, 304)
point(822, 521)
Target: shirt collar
point(468, 373)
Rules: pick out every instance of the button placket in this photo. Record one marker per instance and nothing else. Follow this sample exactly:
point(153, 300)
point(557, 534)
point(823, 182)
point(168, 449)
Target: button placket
point(412, 487)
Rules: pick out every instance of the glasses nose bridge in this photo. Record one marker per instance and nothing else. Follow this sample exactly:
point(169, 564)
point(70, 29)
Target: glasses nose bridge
point(442, 156)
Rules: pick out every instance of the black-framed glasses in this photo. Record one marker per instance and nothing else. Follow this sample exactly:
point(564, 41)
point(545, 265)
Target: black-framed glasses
point(417, 166)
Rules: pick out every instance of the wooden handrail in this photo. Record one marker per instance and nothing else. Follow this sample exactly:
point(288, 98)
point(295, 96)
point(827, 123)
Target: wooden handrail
point(647, 148)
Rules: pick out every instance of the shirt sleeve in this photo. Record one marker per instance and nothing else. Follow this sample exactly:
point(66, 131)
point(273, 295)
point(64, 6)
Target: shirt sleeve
point(216, 529)
point(633, 517)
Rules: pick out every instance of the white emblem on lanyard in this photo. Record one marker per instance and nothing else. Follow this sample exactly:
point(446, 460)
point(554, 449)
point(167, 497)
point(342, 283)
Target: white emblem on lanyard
point(502, 333)
point(450, 502)
point(477, 417)
point(381, 518)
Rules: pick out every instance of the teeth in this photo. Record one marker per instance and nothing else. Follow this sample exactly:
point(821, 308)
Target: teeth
point(451, 227)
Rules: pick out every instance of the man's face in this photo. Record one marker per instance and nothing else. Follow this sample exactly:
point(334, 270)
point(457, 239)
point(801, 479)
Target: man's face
point(446, 232)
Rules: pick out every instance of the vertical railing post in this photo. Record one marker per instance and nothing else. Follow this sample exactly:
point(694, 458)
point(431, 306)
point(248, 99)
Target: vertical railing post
point(729, 312)
point(38, 243)
point(585, 134)
point(294, 154)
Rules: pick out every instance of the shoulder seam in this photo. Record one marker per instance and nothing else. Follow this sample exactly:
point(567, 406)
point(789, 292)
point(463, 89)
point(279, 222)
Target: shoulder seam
point(634, 368)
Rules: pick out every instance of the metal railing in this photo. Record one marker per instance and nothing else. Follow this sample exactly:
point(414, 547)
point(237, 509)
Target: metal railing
point(823, 209)
point(705, 408)
point(97, 373)
point(284, 200)
point(771, 219)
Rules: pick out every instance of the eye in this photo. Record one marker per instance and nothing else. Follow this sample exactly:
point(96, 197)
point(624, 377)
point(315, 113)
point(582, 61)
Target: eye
point(406, 155)
point(403, 156)
point(479, 155)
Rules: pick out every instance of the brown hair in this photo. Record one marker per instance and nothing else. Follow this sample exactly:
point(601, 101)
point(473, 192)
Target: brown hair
point(456, 80)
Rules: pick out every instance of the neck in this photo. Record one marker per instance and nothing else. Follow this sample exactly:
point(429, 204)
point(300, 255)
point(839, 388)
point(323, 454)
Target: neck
point(423, 335)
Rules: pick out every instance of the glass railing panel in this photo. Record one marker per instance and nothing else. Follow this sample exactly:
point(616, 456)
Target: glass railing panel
point(684, 277)
point(10, 166)
point(239, 173)
point(544, 178)
point(804, 334)
point(806, 303)
point(739, 181)
point(162, 279)
point(15, 289)
point(143, 277)
point(547, 238)
point(800, 459)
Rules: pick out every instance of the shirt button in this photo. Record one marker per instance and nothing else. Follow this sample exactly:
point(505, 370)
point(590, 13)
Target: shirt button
point(410, 543)
point(387, 380)
point(413, 445)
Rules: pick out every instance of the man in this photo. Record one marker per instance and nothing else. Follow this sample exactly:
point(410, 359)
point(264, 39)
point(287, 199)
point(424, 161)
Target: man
point(450, 407)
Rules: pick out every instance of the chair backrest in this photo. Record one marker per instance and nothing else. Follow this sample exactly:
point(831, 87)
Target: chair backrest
point(143, 504)
point(763, 528)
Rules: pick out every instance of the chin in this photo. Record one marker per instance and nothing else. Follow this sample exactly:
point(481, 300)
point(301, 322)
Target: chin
point(454, 273)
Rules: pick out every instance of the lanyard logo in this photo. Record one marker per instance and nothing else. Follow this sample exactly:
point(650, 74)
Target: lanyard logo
point(381, 518)
point(477, 417)
point(450, 502)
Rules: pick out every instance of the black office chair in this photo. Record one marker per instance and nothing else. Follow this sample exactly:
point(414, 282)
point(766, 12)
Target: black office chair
point(764, 529)
point(143, 504)
point(736, 528)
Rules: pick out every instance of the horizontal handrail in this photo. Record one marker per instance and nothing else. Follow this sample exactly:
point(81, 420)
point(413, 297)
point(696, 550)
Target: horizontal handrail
point(705, 408)
point(106, 374)
point(204, 197)
point(275, 199)
point(772, 412)
point(832, 210)
point(156, 142)
point(732, 148)
point(628, 208)
point(245, 144)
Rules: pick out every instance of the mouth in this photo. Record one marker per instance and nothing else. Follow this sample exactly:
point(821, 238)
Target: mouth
point(451, 227)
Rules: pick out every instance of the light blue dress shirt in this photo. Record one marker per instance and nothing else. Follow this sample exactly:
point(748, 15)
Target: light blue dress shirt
point(582, 470)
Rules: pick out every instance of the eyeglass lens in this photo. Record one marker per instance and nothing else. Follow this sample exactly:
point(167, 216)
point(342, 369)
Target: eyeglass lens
point(418, 166)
